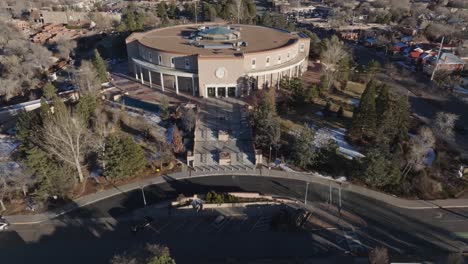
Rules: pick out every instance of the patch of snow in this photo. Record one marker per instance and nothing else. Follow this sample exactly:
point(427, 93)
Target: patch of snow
point(7, 146)
point(354, 102)
point(319, 113)
point(343, 146)
point(430, 157)
point(461, 90)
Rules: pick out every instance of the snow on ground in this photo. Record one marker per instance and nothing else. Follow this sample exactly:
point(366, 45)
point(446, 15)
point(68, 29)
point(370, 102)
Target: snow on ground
point(338, 135)
point(461, 90)
point(285, 167)
point(354, 102)
point(343, 146)
point(7, 146)
point(8, 167)
point(430, 157)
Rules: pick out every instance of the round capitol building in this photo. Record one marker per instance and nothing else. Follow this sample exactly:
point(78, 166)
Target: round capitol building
point(213, 60)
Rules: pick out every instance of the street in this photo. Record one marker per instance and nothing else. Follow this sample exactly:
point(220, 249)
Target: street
point(96, 232)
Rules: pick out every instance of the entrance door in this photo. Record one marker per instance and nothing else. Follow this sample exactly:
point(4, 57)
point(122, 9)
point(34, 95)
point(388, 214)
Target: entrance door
point(221, 91)
point(232, 91)
point(211, 91)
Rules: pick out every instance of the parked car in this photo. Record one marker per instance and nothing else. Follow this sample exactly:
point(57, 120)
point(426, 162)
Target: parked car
point(3, 224)
point(144, 223)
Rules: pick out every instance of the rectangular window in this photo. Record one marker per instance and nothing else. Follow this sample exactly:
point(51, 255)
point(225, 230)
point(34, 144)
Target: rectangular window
point(301, 48)
point(172, 62)
point(150, 56)
point(253, 63)
point(267, 61)
point(160, 60)
point(279, 59)
point(187, 64)
point(289, 55)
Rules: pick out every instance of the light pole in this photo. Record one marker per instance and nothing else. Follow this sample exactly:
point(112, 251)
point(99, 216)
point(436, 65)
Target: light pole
point(143, 194)
point(269, 160)
point(307, 189)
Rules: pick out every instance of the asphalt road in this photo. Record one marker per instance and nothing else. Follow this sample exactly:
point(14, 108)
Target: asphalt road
point(94, 233)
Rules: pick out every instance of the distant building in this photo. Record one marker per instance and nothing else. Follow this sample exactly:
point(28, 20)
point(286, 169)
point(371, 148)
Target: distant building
point(447, 62)
point(66, 17)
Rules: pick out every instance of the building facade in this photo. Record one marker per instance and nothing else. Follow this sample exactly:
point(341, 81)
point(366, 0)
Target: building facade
point(213, 60)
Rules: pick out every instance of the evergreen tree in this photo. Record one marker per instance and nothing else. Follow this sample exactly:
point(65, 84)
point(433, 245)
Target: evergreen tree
point(162, 10)
point(303, 152)
point(379, 170)
point(129, 18)
point(86, 106)
point(122, 157)
point(49, 91)
point(172, 10)
point(365, 118)
point(209, 11)
point(100, 66)
point(382, 102)
point(373, 67)
point(265, 121)
point(164, 111)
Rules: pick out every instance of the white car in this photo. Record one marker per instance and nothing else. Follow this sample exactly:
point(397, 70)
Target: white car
point(3, 224)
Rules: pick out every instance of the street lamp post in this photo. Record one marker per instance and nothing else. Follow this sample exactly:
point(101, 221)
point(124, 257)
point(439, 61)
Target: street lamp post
point(143, 194)
point(269, 160)
point(307, 189)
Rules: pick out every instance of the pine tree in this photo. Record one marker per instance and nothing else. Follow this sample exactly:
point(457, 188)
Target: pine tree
point(162, 10)
point(265, 121)
point(382, 102)
point(49, 90)
point(122, 157)
point(303, 153)
point(100, 66)
point(86, 106)
point(365, 118)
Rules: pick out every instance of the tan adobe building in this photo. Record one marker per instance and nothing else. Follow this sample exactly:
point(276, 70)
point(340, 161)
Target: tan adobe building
point(213, 60)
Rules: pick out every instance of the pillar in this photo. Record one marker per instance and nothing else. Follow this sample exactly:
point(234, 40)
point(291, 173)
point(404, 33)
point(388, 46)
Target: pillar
point(278, 80)
point(176, 84)
point(135, 70)
point(162, 80)
point(149, 77)
point(141, 75)
point(193, 86)
point(290, 73)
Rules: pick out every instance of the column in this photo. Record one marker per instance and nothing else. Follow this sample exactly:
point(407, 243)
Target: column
point(278, 80)
point(290, 73)
point(150, 81)
point(176, 84)
point(141, 75)
point(162, 80)
point(265, 81)
point(226, 91)
point(135, 70)
point(193, 86)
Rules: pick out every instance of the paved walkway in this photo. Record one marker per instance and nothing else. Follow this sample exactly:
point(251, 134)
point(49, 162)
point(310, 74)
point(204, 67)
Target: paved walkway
point(312, 178)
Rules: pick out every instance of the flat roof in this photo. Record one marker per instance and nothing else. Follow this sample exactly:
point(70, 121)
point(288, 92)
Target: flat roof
point(176, 40)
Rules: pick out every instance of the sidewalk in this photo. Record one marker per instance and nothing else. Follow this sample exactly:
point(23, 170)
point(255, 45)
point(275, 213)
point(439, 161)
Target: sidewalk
point(306, 177)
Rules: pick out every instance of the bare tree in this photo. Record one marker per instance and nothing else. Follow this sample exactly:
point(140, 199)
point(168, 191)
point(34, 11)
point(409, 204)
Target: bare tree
point(239, 10)
point(65, 48)
point(379, 255)
point(86, 79)
point(65, 136)
point(444, 124)
point(420, 146)
point(332, 53)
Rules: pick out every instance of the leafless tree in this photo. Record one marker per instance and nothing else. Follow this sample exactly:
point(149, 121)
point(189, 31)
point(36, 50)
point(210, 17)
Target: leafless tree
point(66, 136)
point(419, 148)
point(239, 10)
point(65, 48)
point(379, 255)
point(444, 124)
point(123, 259)
point(333, 52)
point(86, 79)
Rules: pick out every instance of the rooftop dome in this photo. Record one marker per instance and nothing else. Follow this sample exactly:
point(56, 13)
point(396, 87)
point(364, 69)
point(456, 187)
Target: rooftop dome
point(219, 33)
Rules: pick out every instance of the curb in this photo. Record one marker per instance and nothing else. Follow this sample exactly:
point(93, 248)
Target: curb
point(388, 199)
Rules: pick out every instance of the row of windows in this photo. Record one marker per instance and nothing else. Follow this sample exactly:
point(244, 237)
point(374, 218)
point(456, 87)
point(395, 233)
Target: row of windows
point(254, 61)
point(150, 58)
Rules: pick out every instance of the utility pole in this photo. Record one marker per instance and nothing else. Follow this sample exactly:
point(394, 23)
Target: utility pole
point(143, 194)
point(438, 57)
point(307, 189)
